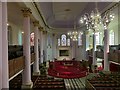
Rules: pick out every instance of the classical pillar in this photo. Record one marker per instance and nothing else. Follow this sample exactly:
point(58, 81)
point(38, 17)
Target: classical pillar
point(54, 46)
point(41, 45)
point(36, 70)
point(26, 78)
point(5, 72)
point(106, 50)
point(45, 46)
point(84, 45)
point(1, 46)
point(72, 49)
point(94, 49)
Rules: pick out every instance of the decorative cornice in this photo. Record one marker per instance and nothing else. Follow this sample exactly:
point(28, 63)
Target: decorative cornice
point(40, 28)
point(26, 12)
point(36, 23)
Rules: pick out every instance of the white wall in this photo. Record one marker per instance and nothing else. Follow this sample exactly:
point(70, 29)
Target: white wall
point(15, 34)
point(49, 46)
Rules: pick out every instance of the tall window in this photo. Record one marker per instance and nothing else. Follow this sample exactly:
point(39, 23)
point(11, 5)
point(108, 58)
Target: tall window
point(68, 42)
point(79, 39)
point(63, 40)
point(59, 42)
point(32, 39)
point(111, 38)
point(97, 38)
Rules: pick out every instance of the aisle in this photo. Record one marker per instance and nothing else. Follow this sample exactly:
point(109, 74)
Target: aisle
point(75, 84)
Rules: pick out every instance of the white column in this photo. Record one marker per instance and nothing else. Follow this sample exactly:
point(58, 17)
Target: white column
point(73, 48)
point(26, 78)
point(41, 45)
point(54, 46)
point(45, 46)
point(84, 45)
point(36, 70)
point(0, 46)
point(94, 49)
point(106, 50)
point(5, 72)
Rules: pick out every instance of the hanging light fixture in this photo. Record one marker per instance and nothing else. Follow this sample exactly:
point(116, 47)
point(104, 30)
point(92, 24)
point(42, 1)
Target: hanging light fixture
point(94, 19)
point(73, 34)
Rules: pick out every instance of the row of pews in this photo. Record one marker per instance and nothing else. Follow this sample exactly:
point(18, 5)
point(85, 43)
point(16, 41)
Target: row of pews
point(39, 82)
point(104, 82)
point(113, 55)
point(46, 83)
point(74, 84)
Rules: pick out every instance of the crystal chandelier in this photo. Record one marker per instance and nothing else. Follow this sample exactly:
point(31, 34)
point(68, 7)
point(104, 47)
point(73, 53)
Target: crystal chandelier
point(73, 35)
point(94, 19)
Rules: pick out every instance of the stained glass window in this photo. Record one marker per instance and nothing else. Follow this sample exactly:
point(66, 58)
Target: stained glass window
point(63, 40)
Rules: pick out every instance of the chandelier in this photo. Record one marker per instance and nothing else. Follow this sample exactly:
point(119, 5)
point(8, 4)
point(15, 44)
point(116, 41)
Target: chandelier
point(73, 35)
point(95, 18)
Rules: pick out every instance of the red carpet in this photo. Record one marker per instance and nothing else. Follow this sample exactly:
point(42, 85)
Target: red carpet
point(67, 69)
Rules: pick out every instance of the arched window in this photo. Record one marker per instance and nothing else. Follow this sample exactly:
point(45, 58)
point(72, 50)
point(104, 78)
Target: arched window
point(63, 40)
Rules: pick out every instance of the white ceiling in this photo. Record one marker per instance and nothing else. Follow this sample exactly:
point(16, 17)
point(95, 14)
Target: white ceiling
point(60, 13)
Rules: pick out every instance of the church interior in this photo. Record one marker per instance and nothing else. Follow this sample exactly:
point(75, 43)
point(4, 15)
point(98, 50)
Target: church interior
point(60, 45)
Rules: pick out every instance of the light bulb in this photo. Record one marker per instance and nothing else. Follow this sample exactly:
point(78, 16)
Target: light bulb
point(86, 23)
point(85, 17)
point(92, 14)
point(107, 20)
point(105, 27)
point(68, 33)
point(98, 15)
point(81, 21)
point(111, 15)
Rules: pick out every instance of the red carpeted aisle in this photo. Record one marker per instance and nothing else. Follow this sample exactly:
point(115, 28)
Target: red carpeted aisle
point(67, 69)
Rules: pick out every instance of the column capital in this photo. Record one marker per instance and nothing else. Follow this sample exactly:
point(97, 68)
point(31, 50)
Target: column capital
point(26, 12)
point(36, 23)
point(44, 32)
point(41, 28)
